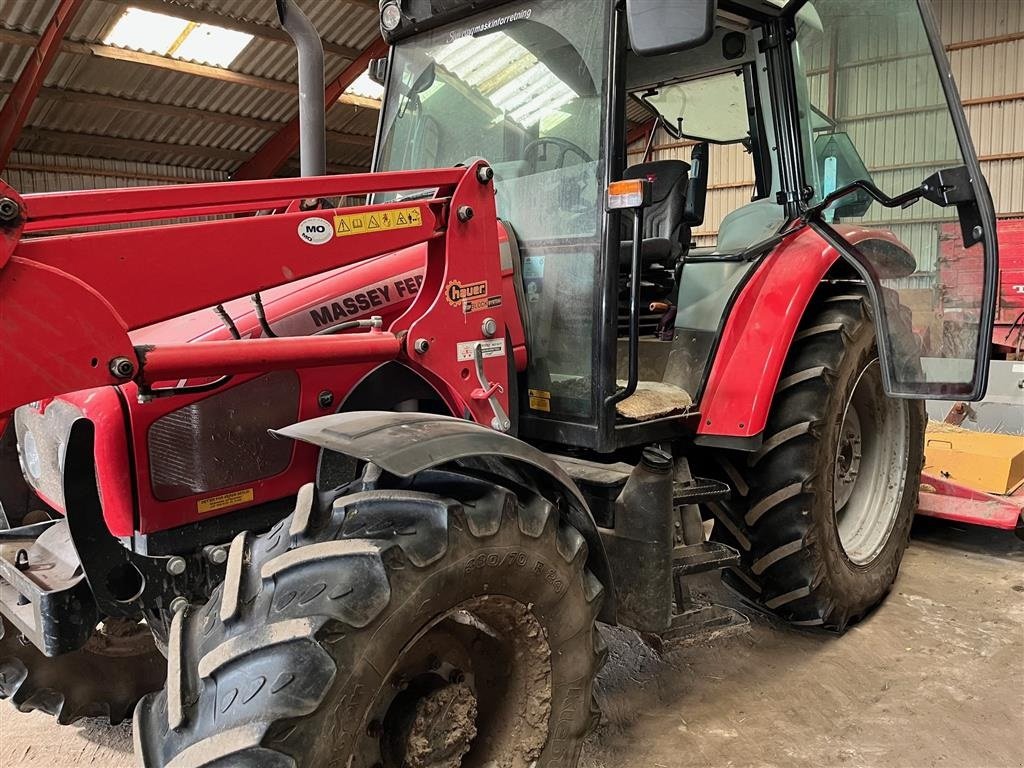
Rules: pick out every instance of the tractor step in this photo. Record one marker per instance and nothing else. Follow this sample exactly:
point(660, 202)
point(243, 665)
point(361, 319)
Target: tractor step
point(698, 622)
point(688, 559)
point(699, 490)
point(43, 591)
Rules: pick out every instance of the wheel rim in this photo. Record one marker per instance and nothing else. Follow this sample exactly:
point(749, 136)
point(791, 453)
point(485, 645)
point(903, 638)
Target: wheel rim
point(471, 689)
point(870, 468)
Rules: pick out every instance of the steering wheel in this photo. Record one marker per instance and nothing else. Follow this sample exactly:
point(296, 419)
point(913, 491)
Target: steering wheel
point(555, 141)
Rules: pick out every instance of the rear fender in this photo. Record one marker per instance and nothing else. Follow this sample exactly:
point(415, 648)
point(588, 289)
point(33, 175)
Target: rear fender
point(759, 330)
point(405, 444)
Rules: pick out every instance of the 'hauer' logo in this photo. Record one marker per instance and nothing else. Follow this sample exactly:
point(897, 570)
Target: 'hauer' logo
point(458, 294)
point(315, 231)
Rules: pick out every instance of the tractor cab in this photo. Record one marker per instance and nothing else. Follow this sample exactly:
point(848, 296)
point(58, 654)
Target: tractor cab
point(771, 126)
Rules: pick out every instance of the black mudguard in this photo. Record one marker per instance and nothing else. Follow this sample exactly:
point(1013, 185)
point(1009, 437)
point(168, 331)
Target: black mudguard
point(405, 444)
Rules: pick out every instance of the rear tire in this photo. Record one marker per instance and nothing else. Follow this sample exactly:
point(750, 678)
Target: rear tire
point(341, 638)
point(821, 514)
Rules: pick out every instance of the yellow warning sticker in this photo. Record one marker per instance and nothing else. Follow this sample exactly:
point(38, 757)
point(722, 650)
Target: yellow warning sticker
point(224, 500)
point(346, 224)
point(540, 400)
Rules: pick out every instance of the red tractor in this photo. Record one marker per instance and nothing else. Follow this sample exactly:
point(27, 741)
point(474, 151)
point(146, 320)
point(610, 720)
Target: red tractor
point(369, 476)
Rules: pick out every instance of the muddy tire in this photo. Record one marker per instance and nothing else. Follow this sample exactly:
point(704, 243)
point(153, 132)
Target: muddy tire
point(452, 620)
point(821, 514)
point(106, 678)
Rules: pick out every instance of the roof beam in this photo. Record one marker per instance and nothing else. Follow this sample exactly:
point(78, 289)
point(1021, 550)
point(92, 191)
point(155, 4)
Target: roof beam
point(26, 39)
point(16, 108)
point(15, 37)
point(282, 145)
point(256, 29)
point(358, 101)
point(178, 65)
point(185, 113)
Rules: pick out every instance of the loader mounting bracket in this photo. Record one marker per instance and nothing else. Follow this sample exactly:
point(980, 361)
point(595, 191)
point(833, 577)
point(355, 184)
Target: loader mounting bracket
point(123, 582)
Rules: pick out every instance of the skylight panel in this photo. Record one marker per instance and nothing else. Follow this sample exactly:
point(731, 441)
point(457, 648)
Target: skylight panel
point(176, 37)
point(365, 87)
point(146, 31)
point(212, 45)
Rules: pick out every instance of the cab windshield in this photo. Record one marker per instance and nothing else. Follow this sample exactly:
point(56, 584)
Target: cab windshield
point(520, 86)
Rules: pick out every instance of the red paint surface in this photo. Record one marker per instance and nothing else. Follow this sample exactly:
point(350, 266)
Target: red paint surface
point(106, 281)
point(759, 331)
point(952, 501)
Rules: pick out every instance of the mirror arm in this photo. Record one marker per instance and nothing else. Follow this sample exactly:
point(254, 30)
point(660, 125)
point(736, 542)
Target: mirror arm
point(903, 200)
point(951, 186)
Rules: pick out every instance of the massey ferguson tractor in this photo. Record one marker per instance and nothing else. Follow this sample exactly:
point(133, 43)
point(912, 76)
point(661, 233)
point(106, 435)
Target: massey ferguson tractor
point(370, 475)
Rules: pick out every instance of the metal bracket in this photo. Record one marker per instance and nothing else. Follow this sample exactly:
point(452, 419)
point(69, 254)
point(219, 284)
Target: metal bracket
point(123, 582)
point(489, 392)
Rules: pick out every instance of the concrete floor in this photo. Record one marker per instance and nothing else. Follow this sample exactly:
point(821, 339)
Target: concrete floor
point(934, 678)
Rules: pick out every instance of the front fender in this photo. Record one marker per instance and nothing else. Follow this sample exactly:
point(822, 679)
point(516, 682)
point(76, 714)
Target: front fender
point(404, 444)
point(759, 331)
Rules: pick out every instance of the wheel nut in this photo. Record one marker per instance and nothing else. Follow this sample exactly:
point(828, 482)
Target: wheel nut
point(465, 213)
point(176, 566)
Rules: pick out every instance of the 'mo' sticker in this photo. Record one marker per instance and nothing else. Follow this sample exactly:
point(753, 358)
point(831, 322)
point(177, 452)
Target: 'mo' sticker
point(315, 231)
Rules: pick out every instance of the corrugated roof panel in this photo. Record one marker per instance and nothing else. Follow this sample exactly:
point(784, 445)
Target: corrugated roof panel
point(26, 16)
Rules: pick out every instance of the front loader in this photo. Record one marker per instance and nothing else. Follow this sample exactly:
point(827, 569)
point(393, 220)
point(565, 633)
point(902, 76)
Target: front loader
point(370, 475)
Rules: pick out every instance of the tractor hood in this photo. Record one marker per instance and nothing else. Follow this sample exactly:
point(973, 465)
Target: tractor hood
point(381, 286)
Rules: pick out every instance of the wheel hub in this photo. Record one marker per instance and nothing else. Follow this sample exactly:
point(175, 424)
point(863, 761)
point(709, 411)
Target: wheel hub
point(484, 667)
point(848, 458)
point(870, 467)
point(443, 727)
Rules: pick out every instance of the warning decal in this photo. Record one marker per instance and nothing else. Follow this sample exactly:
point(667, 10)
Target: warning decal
point(224, 500)
point(346, 224)
point(466, 350)
point(540, 400)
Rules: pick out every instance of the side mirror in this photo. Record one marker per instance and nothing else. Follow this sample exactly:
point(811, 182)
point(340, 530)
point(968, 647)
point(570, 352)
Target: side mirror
point(668, 26)
point(425, 79)
point(839, 164)
point(378, 70)
point(697, 186)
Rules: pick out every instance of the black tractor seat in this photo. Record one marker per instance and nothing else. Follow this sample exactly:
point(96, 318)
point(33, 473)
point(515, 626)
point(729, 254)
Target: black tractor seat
point(666, 233)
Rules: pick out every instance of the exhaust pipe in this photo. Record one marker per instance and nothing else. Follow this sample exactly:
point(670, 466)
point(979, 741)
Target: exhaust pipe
point(312, 141)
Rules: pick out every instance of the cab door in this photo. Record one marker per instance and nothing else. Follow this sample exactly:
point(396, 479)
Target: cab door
point(886, 148)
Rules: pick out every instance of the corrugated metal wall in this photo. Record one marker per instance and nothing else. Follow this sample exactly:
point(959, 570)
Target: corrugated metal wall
point(32, 172)
point(985, 44)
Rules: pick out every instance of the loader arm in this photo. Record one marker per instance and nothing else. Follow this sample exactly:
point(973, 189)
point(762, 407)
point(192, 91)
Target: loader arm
point(69, 298)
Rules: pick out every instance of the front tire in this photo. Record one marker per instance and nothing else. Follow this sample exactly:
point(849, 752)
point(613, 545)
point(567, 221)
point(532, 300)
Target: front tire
point(822, 512)
point(451, 622)
point(106, 678)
